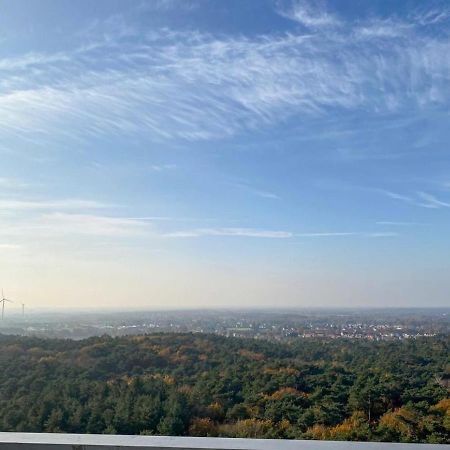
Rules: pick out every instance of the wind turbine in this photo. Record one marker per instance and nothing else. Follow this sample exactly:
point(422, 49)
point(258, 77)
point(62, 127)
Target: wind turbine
point(23, 309)
point(3, 301)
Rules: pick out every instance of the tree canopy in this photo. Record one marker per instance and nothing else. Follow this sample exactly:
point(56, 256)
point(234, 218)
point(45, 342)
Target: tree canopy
point(207, 385)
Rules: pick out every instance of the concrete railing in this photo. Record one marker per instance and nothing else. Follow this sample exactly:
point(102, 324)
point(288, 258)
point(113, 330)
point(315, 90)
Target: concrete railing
point(50, 441)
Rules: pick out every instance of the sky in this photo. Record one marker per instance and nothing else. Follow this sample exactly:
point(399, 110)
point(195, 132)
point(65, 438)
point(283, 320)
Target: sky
point(209, 154)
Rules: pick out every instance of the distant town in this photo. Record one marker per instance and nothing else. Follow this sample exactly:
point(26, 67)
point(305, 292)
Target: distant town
point(285, 325)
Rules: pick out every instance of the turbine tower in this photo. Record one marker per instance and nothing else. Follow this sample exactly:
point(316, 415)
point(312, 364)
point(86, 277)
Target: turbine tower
point(3, 301)
point(23, 309)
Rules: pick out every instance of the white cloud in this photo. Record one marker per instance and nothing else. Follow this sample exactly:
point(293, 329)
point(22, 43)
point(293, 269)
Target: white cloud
point(397, 196)
point(348, 233)
point(6, 204)
point(258, 192)
point(270, 234)
point(196, 86)
point(432, 202)
point(62, 223)
point(233, 232)
point(162, 167)
point(426, 17)
point(56, 225)
point(383, 28)
point(328, 234)
point(309, 14)
point(421, 199)
point(265, 194)
point(382, 234)
point(398, 224)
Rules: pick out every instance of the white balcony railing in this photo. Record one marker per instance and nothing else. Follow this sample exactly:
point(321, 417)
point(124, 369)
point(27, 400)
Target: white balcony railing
point(49, 441)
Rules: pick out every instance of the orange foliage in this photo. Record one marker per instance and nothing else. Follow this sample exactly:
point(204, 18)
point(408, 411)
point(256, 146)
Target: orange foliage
point(202, 427)
point(253, 428)
point(443, 406)
point(401, 420)
point(283, 392)
point(185, 389)
point(349, 425)
point(342, 430)
point(318, 432)
point(251, 355)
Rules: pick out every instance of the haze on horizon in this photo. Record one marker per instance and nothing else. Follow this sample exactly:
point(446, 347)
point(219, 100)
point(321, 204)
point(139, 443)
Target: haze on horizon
point(177, 154)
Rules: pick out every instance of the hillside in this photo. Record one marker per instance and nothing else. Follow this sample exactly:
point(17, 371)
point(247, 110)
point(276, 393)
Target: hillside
point(193, 384)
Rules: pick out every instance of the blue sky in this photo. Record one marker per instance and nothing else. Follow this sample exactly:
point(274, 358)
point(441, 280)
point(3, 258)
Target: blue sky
point(212, 153)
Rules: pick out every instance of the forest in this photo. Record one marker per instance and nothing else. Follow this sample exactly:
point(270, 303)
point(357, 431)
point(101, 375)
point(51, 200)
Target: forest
point(207, 385)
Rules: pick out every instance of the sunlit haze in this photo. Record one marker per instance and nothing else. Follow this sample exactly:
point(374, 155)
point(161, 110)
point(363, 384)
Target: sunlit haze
point(189, 154)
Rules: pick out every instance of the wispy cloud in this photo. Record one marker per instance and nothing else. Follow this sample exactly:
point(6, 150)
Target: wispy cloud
point(233, 232)
point(162, 167)
point(49, 223)
point(270, 234)
point(309, 14)
point(328, 234)
point(258, 192)
point(397, 196)
point(57, 225)
point(93, 225)
point(50, 204)
point(421, 199)
point(399, 223)
point(348, 233)
point(383, 29)
point(196, 86)
point(426, 16)
point(386, 234)
point(431, 201)
point(266, 194)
